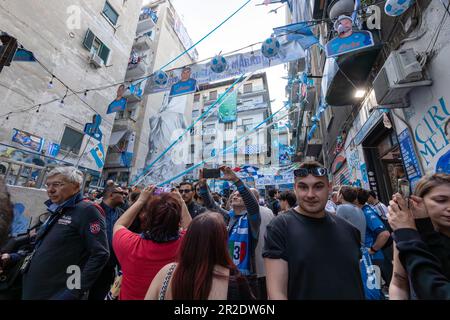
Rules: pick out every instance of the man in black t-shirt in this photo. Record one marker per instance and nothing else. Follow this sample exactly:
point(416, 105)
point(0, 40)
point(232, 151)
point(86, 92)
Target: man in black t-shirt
point(310, 253)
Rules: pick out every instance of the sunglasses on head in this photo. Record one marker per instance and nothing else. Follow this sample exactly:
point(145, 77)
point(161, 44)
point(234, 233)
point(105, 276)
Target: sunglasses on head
point(316, 172)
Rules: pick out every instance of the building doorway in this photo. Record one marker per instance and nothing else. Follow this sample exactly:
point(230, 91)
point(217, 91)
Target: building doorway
point(384, 161)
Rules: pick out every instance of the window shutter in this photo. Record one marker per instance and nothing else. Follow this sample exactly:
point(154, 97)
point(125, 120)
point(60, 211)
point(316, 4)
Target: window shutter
point(104, 53)
point(88, 39)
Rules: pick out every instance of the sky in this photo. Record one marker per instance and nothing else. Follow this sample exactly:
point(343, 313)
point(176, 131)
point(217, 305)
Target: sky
point(250, 25)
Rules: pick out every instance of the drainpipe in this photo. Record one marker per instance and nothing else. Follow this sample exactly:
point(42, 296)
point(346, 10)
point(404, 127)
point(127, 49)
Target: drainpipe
point(413, 140)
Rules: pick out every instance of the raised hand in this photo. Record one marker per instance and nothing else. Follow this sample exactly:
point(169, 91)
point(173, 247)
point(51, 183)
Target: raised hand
point(400, 216)
point(228, 174)
point(418, 208)
point(146, 194)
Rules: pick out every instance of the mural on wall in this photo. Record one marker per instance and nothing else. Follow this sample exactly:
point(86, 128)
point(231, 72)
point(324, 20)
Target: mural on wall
point(431, 131)
point(354, 166)
point(443, 164)
point(165, 127)
point(28, 204)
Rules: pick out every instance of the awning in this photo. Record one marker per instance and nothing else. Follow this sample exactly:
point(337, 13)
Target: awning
point(116, 137)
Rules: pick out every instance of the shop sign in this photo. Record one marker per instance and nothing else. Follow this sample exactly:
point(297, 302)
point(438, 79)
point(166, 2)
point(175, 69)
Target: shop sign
point(410, 159)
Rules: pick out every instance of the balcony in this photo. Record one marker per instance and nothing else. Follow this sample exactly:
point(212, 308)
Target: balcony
point(126, 123)
point(147, 21)
point(113, 160)
point(144, 42)
point(313, 148)
point(136, 70)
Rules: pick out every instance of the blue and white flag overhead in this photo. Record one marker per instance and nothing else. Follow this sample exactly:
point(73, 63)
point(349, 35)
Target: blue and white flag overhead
point(98, 153)
point(298, 32)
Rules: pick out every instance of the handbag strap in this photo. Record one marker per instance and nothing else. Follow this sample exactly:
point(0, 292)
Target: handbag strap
point(165, 285)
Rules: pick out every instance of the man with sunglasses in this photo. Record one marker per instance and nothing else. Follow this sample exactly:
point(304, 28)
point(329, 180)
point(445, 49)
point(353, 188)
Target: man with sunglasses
point(113, 198)
point(310, 253)
point(187, 193)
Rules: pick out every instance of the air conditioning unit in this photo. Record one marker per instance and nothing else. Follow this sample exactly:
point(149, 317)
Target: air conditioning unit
point(95, 60)
point(400, 73)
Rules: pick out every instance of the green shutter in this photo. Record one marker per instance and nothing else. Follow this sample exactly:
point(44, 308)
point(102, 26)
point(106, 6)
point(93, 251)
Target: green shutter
point(104, 53)
point(89, 39)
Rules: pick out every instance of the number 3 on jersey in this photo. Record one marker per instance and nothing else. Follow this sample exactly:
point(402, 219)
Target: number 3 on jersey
point(237, 251)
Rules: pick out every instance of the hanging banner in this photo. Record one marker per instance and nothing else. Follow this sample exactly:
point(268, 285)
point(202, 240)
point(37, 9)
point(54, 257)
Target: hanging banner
point(357, 40)
point(53, 149)
point(300, 32)
point(238, 64)
point(185, 85)
point(93, 129)
point(28, 140)
point(228, 108)
point(120, 103)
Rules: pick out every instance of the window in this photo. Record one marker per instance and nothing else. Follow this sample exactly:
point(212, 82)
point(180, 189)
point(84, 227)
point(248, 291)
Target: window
point(213, 95)
point(195, 114)
point(228, 126)
point(71, 140)
point(192, 148)
point(197, 97)
point(95, 45)
point(247, 124)
point(248, 87)
point(110, 13)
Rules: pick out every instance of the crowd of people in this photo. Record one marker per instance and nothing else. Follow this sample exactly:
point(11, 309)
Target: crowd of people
point(317, 241)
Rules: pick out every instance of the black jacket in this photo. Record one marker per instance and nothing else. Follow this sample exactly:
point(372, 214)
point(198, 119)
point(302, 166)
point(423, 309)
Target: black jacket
point(195, 209)
point(77, 239)
point(424, 270)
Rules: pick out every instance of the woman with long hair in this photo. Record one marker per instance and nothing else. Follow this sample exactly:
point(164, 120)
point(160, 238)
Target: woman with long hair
point(141, 256)
point(204, 269)
point(430, 206)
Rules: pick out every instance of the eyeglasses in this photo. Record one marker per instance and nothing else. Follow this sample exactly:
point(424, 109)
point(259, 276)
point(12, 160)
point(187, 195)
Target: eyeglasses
point(185, 191)
point(316, 172)
point(54, 185)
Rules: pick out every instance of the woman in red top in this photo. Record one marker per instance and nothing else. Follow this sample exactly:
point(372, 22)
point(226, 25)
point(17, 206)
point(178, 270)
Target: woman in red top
point(141, 256)
point(204, 269)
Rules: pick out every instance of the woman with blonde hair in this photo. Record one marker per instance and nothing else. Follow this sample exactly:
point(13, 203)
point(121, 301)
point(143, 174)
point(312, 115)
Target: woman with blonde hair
point(430, 207)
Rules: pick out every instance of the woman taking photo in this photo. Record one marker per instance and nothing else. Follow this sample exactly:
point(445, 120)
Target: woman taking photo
point(141, 256)
point(430, 207)
point(204, 270)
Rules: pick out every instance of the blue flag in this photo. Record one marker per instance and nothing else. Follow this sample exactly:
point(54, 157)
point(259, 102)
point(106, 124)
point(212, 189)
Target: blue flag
point(298, 32)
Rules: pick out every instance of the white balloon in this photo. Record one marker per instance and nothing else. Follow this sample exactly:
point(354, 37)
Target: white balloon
point(395, 8)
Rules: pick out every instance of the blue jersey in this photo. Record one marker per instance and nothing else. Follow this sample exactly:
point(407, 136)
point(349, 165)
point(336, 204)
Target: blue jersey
point(239, 244)
point(374, 226)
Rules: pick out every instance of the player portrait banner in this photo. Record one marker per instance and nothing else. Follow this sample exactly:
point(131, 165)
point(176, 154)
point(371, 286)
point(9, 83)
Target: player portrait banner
point(238, 64)
point(27, 140)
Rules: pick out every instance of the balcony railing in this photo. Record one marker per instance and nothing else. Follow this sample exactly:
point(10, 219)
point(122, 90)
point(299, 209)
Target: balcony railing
point(144, 42)
point(147, 21)
point(136, 70)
